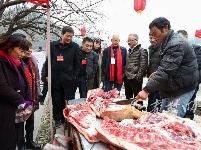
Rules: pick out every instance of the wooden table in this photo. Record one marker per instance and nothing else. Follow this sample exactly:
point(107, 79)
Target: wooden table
point(80, 142)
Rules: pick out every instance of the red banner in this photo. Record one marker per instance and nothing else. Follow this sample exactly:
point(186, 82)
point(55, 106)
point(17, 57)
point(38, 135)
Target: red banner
point(198, 33)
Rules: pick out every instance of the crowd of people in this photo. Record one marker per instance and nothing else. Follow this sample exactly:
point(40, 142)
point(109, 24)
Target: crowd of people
point(171, 64)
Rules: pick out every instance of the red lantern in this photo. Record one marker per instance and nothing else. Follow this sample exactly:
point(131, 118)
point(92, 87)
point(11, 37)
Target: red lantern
point(83, 31)
point(38, 2)
point(139, 5)
point(198, 33)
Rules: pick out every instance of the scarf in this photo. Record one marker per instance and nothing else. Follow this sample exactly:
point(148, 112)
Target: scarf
point(119, 65)
point(14, 62)
point(31, 77)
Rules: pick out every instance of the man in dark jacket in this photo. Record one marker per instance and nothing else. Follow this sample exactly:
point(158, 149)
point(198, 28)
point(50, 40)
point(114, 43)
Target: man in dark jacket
point(113, 63)
point(64, 70)
point(197, 49)
point(177, 76)
point(154, 99)
point(136, 66)
point(88, 67)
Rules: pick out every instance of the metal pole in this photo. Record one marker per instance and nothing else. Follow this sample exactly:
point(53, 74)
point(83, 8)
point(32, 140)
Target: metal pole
point(49, 69)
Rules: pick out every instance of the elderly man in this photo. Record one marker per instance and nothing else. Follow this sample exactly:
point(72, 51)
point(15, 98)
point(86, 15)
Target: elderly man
point(113, 63)
point(177, 75)
point(136, 66)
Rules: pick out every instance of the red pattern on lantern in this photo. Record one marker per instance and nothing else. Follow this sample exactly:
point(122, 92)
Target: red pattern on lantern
point(139, 5)
point(83, 31)
point(198, 33)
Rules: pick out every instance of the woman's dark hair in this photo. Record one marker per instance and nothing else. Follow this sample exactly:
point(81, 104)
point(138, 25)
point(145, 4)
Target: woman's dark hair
point(14, 40)
point(30, 44)
point(160, 23)
point(97, 40)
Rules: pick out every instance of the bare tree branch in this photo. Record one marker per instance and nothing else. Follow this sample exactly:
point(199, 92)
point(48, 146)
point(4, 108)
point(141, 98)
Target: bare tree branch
point(31, 19)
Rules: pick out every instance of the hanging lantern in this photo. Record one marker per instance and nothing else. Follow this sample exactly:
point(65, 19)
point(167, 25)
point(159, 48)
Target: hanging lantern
point(198, 33)
point(39, 2)
point(139, 5)
point(83, 31)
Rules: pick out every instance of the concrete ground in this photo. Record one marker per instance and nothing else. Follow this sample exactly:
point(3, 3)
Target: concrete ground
point(38, 113)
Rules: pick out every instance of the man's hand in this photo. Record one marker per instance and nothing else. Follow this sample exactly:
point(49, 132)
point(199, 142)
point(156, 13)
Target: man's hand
point(142, 95)
point(47, 79)
point(151, 75)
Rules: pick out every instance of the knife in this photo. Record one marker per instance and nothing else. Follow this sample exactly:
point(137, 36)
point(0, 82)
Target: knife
point(125, 101)
point(131, 102)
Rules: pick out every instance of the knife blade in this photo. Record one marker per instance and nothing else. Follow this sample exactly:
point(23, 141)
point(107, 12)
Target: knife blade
point(125, 101)
point(132, 103)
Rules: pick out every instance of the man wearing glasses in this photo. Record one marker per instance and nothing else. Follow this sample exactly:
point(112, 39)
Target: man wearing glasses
point(177, 75)
point(136, 66)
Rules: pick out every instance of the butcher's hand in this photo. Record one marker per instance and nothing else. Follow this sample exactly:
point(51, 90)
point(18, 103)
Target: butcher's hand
point(142, 95)
point(151, 75)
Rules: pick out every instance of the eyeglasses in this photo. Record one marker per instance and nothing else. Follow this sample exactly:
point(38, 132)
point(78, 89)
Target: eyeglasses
point(131, 40)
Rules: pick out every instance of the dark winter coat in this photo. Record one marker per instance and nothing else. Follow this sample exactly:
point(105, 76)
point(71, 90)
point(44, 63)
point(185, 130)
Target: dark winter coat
point(197, 49)
point(10, 98)
point(63, 72)
point(91, 63)
point(154, 60)
point(178, 70)
point(106, 61)
point(43, 77)
point(136, 63)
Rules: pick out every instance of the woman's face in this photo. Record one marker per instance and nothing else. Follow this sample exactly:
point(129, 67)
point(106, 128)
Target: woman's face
point(17, 53)
point(27, 54)
point(97, 45)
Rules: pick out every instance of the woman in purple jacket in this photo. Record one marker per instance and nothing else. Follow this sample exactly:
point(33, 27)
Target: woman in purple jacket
point(14, 88)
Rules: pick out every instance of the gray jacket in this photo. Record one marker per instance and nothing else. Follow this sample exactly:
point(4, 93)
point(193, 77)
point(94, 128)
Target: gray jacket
point(136, 63)
point(178, 70)
point(91, 64)
point(154, 60)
